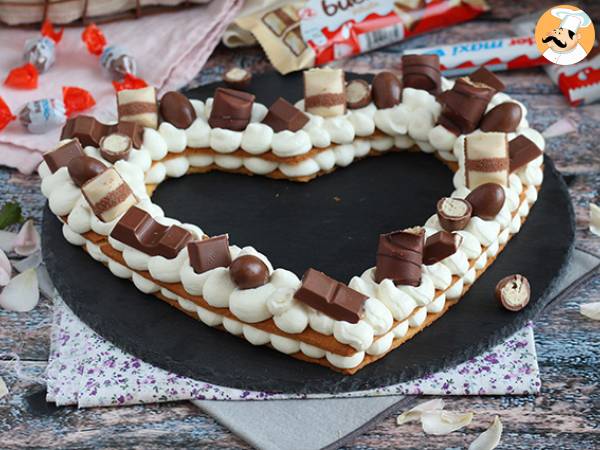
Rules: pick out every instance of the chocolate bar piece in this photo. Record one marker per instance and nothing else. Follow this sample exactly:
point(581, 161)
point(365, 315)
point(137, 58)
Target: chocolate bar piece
point(283, 115)
point(210, 253)
point(85, 128)
point(140, 231)
point(464, 105)
point(62, 156)
point(115, 146)
point(325, 92)
point(422, 72)
point(386, 90)
point(439, 246)
point(400, 256)
point(231, 109)
point(249, 272)
point(332, 298)
point(486, 159)
point(177, 109)
point(138, 106)
point(484, 76)
point(504, 117)
point(108, 195)
point(134, 130)
point(522, 151)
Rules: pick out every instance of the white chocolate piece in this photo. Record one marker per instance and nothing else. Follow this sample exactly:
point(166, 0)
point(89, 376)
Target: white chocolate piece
point(486, 159)
point(139, 106)
point(108, 195)
point(325, 92)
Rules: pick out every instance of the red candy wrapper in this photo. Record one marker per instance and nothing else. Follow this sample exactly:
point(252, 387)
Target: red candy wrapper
point(129, 82)
point(76, 100)
point(24, 77)
point(49, 32)
point(306, 34)
point(94, 39)
point(495, 54)
point(6, 116)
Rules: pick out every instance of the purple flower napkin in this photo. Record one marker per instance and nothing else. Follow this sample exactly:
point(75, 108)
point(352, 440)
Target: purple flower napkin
point(87, 371)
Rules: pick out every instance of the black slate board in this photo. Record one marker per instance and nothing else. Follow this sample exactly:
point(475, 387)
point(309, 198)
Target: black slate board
point(330, 223)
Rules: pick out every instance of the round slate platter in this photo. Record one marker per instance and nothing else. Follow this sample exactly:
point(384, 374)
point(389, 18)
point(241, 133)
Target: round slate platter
point(332, 224)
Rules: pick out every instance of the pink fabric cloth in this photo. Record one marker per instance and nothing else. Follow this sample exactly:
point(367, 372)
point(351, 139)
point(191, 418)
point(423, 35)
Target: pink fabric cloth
point(170, 49)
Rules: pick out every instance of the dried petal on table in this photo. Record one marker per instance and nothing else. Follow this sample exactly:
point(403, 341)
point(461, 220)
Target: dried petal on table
point(22, 293)
point(490, 438)
point(444, 422)
point(5, 269)
point(590, 310)
point(415, 413)
point(3, 388)
point(595, 219)
point(28, 240)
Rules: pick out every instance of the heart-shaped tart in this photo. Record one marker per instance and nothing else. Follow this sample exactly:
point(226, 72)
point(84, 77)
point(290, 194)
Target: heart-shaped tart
point(100, 177)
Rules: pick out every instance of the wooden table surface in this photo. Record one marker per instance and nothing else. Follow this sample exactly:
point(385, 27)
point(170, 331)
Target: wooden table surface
point(566, 415)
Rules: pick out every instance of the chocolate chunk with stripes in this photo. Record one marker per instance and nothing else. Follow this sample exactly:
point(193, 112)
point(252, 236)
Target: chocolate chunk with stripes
point(108, 195)
point(422, 72)
point(486, 159)
point(231, 109)
point(400, 256)
point(139, 106)
point(464, 105)
point(325, 92)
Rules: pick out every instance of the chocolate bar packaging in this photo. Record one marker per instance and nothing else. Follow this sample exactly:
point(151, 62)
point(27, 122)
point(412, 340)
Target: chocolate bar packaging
point(108, 195)
point(138, 106)
point(325, 92)
point(332, 298)
point(139, 230)
point(486, 159)
point(400, 256)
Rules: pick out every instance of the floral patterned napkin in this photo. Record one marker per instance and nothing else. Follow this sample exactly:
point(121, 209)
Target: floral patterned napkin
point(87, 371)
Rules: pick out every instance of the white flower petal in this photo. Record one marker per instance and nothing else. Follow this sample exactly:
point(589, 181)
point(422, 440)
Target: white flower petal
point(3, 388)
point(444, 422)
point(595, 219)
point(560, 127)
point(490, 438)
point(7, 240)
point(415, 413)
point(31, 262)
point(590, 310)
point(46, 286)
point(5, 269)
point(21, 294)
point(28, 240)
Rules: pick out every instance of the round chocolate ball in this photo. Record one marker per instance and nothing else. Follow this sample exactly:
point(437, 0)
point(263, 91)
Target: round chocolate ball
point(83, 168)
point(386, 90)
point(486, 200)
point(249, 271)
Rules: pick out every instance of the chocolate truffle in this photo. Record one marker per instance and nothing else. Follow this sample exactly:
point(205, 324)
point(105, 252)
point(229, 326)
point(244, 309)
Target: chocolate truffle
point(115, 146)
point(453, 213)
point(358, 94)
point(249, 271)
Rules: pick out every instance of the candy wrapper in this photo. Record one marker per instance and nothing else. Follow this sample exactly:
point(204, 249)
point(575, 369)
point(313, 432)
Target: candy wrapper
point(39, 55)
point(41, 116)
point(309, 33)
point(114, 59)
point(495, 54)
point(579, 83)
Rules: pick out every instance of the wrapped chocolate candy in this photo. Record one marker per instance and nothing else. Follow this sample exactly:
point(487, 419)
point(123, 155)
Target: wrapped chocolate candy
point(39, 55)
point(41, 116)
point(113, 58)
point(41, 51)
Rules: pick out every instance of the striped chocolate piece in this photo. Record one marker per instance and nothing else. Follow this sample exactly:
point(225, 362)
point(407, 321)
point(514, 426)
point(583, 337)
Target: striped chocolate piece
point(486, 159)
point(325, 92)
point(139, 106)
point(400, 256)
point(108, 195)
point(422, 72)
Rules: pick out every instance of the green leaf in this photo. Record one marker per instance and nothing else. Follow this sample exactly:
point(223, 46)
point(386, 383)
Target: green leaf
point(10, 214)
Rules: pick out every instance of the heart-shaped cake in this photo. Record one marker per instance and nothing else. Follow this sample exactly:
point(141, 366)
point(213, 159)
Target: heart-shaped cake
point(100, 178)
